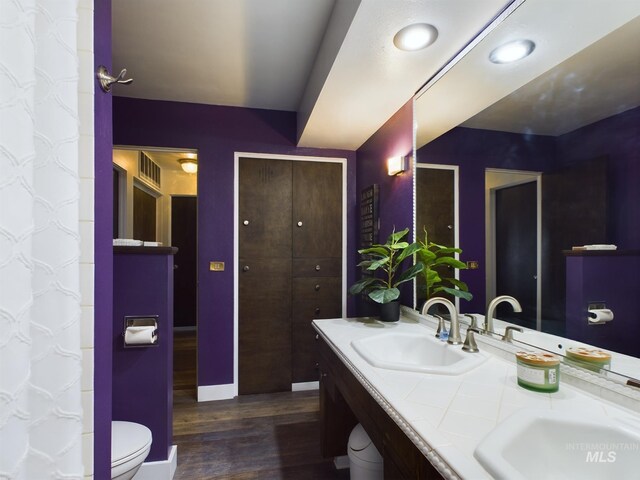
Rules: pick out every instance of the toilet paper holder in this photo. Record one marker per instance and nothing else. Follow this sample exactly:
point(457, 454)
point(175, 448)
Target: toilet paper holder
point(141, 321)
point(598, 313)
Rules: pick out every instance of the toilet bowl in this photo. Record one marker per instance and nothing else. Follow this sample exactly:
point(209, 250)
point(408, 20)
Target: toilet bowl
point(130, 445)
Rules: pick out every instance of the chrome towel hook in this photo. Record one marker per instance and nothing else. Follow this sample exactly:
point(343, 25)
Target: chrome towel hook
point(106, 79)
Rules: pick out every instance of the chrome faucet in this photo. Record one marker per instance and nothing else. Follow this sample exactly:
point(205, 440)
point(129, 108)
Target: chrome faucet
point(454, 334)
point(493, 304)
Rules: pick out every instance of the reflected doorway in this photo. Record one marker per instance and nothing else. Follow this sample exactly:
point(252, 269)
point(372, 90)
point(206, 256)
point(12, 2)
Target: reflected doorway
point(514, 242)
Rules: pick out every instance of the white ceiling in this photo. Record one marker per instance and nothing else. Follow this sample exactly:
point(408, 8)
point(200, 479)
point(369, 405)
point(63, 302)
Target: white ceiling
point(586, 50)
point(332, 61)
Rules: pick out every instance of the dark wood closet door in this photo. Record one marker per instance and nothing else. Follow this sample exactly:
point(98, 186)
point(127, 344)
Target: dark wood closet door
point(317, 209)
point(264, 312)
point(265, 208)
point(435, 212)
point(317, 258)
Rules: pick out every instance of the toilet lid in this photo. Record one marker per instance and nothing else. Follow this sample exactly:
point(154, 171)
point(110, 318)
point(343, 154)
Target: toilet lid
point(128, 439)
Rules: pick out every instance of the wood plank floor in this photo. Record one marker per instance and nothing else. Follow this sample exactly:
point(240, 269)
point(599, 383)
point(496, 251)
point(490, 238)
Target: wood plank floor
point(269, 436)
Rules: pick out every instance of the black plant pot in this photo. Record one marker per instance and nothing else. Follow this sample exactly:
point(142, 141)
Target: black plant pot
point(390, 312)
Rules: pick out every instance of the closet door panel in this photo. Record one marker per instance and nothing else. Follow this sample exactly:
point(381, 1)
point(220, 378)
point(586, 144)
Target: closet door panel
point(317, 209)
point(264, 208)
point(264, 313)
point(317, 267)
point(319, 297)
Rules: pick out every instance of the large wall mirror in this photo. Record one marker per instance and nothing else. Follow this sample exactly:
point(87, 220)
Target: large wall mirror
point(537, 156)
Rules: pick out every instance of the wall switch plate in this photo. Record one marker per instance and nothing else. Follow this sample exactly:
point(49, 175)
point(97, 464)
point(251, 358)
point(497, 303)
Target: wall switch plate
point(216, 266)
point(473, 264)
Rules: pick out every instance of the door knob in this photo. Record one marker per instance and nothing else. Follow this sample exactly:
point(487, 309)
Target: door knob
point(299, 224)
point(450, 227)
point(317, 268)
point(245, 223)
point(245, 268)
point(317, 287)
point(317, 311)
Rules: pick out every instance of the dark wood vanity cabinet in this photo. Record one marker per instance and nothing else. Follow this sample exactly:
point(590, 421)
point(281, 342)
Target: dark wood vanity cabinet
point(344, 403)
point(290, 253)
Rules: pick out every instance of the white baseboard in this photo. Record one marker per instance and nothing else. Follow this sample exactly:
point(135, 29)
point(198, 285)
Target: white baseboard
point(162, 470)
point(208, 393)
point(299, 387)
point(341, 462)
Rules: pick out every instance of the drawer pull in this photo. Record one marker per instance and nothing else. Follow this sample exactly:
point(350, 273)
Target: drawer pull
point(317, 287)
point(245, 268)
point(299, 224)
point(317, 268)
point(245, 223)
point(317, 311)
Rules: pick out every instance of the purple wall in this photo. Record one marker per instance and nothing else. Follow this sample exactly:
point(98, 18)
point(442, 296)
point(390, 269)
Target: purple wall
point(618, 138)
point(612, 279)
point(475, 150)
point(394, 138)
point(217, 132)
point(143, 376)
point(103, 251)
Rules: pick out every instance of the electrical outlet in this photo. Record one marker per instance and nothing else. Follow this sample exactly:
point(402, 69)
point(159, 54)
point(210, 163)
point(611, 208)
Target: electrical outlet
point(216, 266)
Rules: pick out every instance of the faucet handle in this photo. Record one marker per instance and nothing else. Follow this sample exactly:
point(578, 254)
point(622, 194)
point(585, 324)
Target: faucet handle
point(470, 344)
point(474, 320)
point(441, 326)
point(508, 333)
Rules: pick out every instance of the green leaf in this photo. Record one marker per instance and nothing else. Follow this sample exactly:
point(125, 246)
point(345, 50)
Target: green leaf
point(450, 261)
point(455, 292)
point(377, 250)
point(399, 245)
point(447, 251)
point(426, 256)
point(365, 263)
point(409, 251)
point(384, 295)
point(409, 274)
point(396, 236)
point(378, 263)
point(363, 284)
point(458, 284)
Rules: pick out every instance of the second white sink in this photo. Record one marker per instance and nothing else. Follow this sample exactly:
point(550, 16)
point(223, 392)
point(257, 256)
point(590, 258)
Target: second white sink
point(416, 353)
point(549, 445)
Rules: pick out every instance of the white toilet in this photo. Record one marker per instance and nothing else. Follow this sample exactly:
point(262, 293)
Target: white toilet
point(130, 445)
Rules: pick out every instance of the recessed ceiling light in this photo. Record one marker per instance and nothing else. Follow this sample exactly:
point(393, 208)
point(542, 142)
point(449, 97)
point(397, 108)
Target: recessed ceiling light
point(415, 37)
point(512, 51)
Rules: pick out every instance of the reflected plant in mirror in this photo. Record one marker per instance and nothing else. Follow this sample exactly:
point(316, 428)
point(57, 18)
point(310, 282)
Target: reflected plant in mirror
point(438, 259)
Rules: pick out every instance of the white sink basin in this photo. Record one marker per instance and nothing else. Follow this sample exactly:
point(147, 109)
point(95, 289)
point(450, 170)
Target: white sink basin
point(416, 353)
point(544, 445)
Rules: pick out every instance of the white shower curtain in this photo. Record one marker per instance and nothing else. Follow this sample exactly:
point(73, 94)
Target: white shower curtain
point(40, 358)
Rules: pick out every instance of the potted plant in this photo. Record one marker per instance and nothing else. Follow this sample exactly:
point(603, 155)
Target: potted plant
point(384, 262)
point(432, 256)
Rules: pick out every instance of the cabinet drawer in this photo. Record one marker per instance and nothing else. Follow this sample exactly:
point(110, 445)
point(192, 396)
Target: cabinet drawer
point(316, 297)
point(317, 267)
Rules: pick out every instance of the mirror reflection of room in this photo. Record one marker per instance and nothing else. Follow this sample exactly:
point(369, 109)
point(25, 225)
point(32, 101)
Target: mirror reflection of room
point(547, 168)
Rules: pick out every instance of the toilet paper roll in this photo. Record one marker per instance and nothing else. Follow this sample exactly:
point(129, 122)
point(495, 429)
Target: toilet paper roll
point(600, 315)
point(140, 335)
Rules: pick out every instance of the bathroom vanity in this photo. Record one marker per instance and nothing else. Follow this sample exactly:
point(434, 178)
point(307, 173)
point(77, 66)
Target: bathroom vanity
point(429, 425)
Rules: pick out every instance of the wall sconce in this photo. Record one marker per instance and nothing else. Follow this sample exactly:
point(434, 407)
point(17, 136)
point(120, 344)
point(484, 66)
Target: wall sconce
point(396, 165)
point(189, 165)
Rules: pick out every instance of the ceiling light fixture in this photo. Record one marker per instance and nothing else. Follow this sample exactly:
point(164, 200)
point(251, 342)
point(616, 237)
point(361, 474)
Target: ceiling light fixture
point(415, 37)
point(512, 51)
point(189, 165)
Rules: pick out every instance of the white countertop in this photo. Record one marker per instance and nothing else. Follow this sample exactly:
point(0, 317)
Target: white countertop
point(447, 416)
